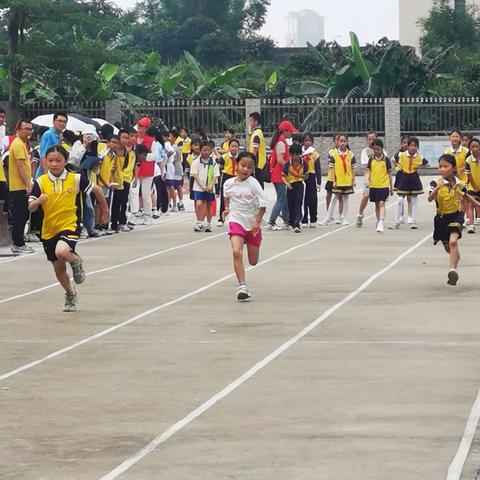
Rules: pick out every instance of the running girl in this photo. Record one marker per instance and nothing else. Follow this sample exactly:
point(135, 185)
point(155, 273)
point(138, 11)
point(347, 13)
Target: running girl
point(449, 192)
point(57, 192)
point(245, 205)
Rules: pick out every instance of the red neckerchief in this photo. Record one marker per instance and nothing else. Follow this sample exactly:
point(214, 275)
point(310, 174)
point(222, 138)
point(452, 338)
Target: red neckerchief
point(343, 158)
point(410, 163)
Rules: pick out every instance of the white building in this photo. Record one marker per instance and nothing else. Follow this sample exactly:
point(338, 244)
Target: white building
point(304, 26)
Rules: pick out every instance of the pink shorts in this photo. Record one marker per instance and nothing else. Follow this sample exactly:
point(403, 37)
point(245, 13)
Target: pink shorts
point(249, 237)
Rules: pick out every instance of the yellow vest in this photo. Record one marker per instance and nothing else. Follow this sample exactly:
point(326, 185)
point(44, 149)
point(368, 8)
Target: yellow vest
point(449, 197)
point(473, 168)
point(262, 151)
point(461, 160)
point(342, 168)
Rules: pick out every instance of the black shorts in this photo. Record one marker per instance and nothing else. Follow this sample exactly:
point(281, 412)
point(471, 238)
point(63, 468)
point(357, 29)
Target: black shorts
point(446, 224)
point(70, 238)
point(347, 190)
point(329, 186)
point(3, 191)
point(379, 194)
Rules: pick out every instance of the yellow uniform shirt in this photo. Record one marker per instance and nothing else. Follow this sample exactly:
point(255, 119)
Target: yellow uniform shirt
point(379, 172)
point(472, 170)
point(449, 197)
point(230, 164)
point(129, 166)
point(461, 161)
point(186, 147)
point(67, 147)
point(257, 140)
point(330, 173)
point(106, 167)
point(18, 152)
point(342, 165)
point(293, 172)
point(2, 171)
point(117, 171)
point(62, 210)
point(409, 164)
point(311, 159)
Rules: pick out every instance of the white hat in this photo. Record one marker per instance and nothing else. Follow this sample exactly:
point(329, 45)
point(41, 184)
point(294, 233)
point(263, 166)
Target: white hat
point(90, 129)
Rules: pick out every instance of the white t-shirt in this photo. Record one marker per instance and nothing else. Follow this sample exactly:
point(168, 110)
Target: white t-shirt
point(199, 169)
point(246, 199)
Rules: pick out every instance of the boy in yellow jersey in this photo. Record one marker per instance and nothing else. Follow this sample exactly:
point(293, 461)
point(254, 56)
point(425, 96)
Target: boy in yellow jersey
point(449, 192)
point(295, 171)
point(57, 192)
point(313, 182)
point(257, 146)
point(379, 181)
point(473, 173)
point(229, 170)
point(192, 156)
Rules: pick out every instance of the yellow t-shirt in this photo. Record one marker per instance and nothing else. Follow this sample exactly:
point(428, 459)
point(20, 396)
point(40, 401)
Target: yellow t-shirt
point(473, 171)
point(106, 166)
point(230, 165)
point(257, 140)
point(410, 164)
point(330, 173)
point(128, 167)
point(461, 161)
point(186, 147)
point(293, 172)
point(117, 171)
point(379, 172)
point(342, 165)
point(62, 210)
point(18, 151)
point(2, 171)
point(449, 197)
point(311, 159)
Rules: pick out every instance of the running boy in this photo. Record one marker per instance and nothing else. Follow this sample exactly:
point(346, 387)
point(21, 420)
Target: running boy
point(245, 205)
point(449, 192)
point(57, 192)
point(205, 172)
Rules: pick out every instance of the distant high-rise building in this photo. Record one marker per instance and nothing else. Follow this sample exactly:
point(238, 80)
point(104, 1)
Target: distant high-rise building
point(304, 26)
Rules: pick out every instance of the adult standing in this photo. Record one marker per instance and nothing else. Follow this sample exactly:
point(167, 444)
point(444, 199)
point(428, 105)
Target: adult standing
point(257, 145)
point(20, 184)
point(280, 155)
point(3, 123)
point(53, 136)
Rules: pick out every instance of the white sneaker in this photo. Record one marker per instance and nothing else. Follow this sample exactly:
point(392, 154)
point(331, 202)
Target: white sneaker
point(198, 227)
point(123, 228)
point(312, 225)
point(31, 238)
point(220, 223)
point(471, 229)
point(414, 225)
point(243, 293)
point(380, 226)
point(359, 221)
point(345, 222)
point(304, 225)
point(409, 220)
point(395, 226)
point(147, 220)
point(325, 222)
point(338, 221)
point(22, 249)
point(71, 302)
point(84, 234)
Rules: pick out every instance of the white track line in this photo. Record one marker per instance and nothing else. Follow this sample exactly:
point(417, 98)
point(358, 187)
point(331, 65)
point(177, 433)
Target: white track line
point(92, 240)
point(114, 267)
point(186, 296)
point(170, 432)
point(456, 467)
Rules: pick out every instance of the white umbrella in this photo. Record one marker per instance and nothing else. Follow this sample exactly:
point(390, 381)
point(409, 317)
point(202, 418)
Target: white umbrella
point(73, 123)
point(102, 122)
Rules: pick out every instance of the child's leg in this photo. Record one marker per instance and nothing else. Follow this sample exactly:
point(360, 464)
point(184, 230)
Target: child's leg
point(409, 205)
point(180, 193)
point(470, 210)
point(63, 277)
point(341, 207)
point(172, 194)
point(200, 210)
point(344, 201)
point(454, 251)
point(328, 199)
point(377, 210)
point(208, 211)
point(237, 243)
point(291, 207)
point(333, 205)
point(253, 254)
point(381, 210)
point(399, 209)
point(363, 203)
point(299, 189)
point(414, 207)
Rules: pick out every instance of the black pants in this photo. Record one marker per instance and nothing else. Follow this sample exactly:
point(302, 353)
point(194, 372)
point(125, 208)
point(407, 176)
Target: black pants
point(259, 177)
point(124, 203)
point(162, 194)
point(295, 203)
point(19, 214)
point(225, 177)
point(310, 205)
point(116, 207)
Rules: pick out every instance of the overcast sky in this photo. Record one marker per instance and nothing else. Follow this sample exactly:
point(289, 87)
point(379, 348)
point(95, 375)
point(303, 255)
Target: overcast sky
point(369, 19)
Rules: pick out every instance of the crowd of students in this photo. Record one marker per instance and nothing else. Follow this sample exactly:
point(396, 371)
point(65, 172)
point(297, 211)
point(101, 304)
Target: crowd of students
point(102, 183)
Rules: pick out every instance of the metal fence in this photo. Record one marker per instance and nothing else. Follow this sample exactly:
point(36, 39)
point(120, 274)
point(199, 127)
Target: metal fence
point(438, 116)
point(91, 109)
point(213, 116)
point(326, 117)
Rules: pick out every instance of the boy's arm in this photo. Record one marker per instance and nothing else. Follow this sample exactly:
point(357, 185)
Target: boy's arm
point(318, 171)
point(434, 188)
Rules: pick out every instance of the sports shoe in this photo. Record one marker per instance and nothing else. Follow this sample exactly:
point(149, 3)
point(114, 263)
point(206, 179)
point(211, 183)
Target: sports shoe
point(345, 222)
point(31, 238)
point(110, 231)
point(338, 221)
point(452, 277)
point(148, 220)
point(414, 225)
point(312, 225)
point(359, 221)
point(181, 207)
point(220, 223)
point(471, 229)
point(198, 227)
point(71, 302)
point(207, 228)
point(124, 228)
point(156, 214)
point(84, 234)
point(325, 222)
point(380, 226)
point(22, 249)
point(297, 230)
point(410, 220)
point(173, 208)
point(305, 225)
point(477, 221)
point(78, 270)
point(272, 226)
point(395, 226)
point(137, 214)
point(243, 294)
point(285, 226)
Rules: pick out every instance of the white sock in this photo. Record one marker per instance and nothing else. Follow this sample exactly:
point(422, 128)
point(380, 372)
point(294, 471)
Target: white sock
point(345, 206)
point(414, 207)
point(399, 209)
point(332, 207)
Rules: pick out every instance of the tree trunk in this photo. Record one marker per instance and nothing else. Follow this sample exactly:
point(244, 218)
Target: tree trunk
point(16, 24)
point(460, 5)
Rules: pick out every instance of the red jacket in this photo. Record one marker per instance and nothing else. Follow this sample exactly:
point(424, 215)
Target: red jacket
point(275, 167)
point(147, 168)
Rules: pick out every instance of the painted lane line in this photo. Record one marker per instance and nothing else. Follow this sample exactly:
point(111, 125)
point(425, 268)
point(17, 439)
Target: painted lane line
point(456, 467)
point(170, 432)
point(158, 308)
point(114, 267)
point(105, 237)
